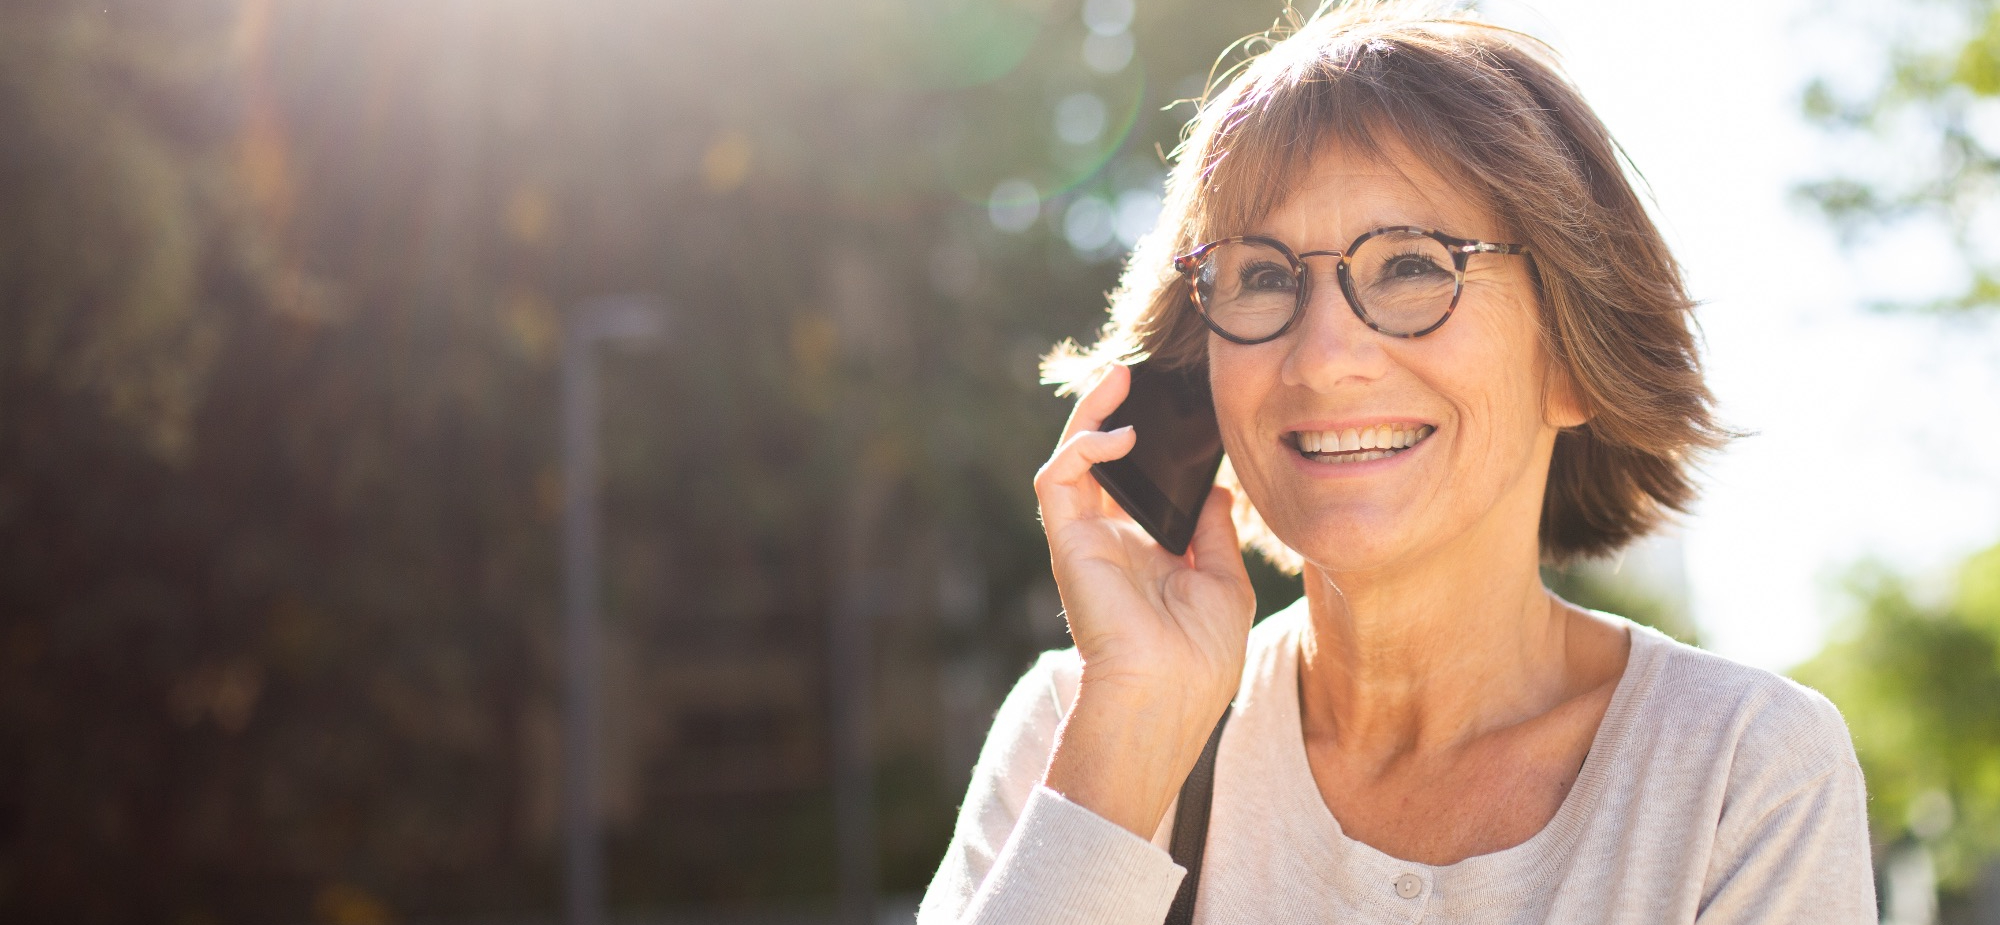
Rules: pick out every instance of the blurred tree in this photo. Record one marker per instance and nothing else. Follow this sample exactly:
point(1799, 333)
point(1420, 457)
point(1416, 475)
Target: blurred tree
point(1933, 120)
point(118, 231)
point(1917, 673)
point(280, 294)
point(1918, 677)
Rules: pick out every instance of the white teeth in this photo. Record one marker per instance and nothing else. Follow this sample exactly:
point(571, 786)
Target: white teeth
point(1361, 445)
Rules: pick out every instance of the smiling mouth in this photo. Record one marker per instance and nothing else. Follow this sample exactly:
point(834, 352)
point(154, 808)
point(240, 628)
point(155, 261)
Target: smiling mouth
point(1357, 445)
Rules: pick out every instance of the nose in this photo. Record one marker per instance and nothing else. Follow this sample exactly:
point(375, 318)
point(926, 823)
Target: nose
point(1331, 346)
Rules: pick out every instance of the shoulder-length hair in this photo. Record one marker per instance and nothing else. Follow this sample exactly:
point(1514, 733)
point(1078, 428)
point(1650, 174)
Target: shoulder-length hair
point(1489, 110)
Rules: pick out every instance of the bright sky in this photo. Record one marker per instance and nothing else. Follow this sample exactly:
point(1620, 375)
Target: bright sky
point(1876, 433)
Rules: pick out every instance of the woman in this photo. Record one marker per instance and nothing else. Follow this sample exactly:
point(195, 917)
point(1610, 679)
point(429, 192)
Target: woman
point(1446, 345)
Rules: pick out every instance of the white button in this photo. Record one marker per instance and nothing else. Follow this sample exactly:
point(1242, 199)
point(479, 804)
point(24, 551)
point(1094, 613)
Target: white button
point(1409, 885)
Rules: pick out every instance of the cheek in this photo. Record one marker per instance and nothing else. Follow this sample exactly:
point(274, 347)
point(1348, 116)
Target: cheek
point(1239, 378)
point(1492, 373)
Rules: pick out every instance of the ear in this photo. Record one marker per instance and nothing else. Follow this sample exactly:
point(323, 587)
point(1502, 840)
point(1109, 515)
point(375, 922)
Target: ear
point(1562, 402)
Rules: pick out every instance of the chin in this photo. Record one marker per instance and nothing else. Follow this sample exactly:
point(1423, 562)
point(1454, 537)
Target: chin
point(1345, 547)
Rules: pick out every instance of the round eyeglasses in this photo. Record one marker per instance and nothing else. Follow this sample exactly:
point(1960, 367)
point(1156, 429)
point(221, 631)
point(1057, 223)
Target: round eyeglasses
point(1401, 281)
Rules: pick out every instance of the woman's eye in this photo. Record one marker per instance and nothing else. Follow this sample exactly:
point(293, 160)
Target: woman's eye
point(1411, 267)
point(1267, 278)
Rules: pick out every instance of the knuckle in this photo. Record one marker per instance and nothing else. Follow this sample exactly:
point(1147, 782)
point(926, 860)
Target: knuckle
point(1046, 477)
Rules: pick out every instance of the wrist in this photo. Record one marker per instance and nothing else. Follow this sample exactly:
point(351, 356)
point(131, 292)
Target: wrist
point(1124, 750)
point(1189, 701)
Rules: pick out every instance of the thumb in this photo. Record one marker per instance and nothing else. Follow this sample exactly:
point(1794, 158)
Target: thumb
point(1215, 546)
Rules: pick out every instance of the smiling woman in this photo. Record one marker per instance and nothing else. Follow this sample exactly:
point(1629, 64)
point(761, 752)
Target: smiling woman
point(1481, 388)
point(1446, 345)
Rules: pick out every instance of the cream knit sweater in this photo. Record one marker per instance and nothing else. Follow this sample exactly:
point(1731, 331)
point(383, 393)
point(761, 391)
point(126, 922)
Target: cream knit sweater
point(1713, 793)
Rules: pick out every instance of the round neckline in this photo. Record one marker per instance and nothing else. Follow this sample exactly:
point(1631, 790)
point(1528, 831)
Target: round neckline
point(1478, 880)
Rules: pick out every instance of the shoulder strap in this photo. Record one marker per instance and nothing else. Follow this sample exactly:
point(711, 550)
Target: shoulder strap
point(1191, 825)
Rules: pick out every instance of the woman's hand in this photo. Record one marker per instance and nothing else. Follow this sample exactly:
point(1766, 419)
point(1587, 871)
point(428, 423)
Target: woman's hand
point(1161, 636)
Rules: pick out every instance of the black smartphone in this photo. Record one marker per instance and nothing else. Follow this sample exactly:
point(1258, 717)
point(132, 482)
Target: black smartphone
point(1164, 480)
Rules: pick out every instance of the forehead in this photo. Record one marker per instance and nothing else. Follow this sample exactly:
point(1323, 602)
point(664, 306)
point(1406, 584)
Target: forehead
point(1344, 191)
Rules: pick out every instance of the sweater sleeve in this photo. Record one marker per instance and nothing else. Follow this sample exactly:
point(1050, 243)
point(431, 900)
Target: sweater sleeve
point(1021, 853)
point(1801, 856)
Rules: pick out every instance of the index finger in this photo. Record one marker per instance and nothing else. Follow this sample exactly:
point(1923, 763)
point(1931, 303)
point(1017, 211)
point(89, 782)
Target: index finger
point(1098, 401)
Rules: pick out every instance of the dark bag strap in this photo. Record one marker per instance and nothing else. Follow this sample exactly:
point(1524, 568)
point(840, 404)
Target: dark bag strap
point(1191, 825)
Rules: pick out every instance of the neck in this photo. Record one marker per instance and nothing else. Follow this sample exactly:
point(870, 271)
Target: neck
point(1433, 654)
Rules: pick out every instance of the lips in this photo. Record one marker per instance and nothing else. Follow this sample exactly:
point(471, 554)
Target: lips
point(1379, 441)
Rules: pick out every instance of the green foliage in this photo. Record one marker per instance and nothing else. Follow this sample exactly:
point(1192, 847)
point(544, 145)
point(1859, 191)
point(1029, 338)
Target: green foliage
point(1940, 86)
point(116, 224)
point(1919, 683)
point(1977, 64)
point(1918, 675)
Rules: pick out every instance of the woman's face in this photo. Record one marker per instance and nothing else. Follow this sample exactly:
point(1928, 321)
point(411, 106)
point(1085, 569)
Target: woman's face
point(1481, 384)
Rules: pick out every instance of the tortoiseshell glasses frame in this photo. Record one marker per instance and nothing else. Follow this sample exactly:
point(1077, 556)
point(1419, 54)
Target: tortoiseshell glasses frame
point(1460, 249)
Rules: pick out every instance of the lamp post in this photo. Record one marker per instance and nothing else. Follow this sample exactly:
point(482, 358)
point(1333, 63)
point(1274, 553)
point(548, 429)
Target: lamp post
point(618, 319)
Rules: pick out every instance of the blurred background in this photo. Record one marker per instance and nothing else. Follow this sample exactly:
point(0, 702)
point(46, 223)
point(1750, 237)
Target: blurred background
point(372, 371)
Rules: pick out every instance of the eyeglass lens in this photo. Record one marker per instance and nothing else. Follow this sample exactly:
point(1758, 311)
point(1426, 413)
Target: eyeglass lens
point(1403, 282)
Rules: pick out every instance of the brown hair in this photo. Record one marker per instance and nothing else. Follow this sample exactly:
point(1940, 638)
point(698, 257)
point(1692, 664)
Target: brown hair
point(1488, 108)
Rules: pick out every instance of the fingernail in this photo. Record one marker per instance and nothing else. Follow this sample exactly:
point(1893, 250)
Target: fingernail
point(1122, 430)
